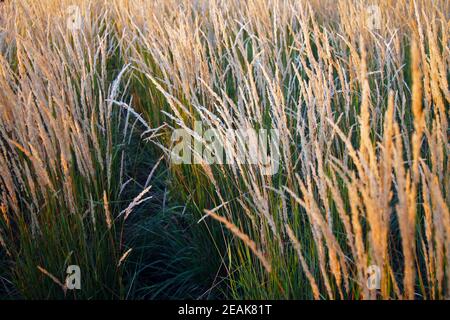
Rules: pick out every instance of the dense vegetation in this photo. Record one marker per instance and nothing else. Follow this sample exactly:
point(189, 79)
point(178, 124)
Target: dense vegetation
point(91, 92)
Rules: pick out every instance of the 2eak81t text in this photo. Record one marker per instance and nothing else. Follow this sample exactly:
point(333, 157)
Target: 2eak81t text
point(226, 309)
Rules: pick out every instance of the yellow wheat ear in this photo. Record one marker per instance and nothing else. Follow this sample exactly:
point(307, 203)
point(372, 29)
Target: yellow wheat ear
point(419, 116)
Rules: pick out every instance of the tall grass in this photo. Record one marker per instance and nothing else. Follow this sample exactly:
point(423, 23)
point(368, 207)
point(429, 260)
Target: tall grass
point(58, 158)
point(362, 116)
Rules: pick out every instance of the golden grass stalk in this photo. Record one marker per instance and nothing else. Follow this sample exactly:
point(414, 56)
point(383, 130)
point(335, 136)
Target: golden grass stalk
point(245, 238)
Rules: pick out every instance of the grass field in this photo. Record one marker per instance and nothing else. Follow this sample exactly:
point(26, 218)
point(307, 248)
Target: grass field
point(352, 202)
